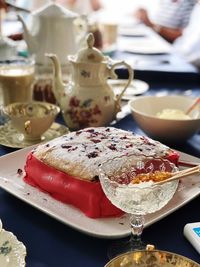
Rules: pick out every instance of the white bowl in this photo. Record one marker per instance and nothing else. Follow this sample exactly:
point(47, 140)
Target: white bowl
point(145, 109)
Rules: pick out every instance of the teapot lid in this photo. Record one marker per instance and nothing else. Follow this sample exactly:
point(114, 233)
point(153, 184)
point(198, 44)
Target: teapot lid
point(54, 10)
point(90, 53)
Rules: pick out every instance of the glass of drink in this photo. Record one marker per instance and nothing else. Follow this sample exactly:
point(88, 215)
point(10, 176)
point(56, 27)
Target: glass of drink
point(109, 33)
point(16, 80)
point(126, 182)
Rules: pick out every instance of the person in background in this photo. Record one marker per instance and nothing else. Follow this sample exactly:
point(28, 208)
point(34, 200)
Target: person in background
point(5, 8)
point(170, 19)
point(3, 4)
point(188, 45)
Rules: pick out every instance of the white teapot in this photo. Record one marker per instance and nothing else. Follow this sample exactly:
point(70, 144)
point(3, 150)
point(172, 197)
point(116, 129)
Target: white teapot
point(88, 100)
point(53, 29)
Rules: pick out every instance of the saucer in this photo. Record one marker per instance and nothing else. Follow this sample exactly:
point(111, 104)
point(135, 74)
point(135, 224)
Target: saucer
point(133, 31)
point(10, 137)
point(137, 87)
point(145, 46)
point(12, 251)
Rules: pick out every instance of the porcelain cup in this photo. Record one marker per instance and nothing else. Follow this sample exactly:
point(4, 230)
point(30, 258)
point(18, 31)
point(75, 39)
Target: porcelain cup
point(32, 119)
point(141, 258)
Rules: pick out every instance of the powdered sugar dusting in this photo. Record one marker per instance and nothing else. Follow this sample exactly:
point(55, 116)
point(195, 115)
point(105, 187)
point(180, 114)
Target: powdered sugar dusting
point(80, 153)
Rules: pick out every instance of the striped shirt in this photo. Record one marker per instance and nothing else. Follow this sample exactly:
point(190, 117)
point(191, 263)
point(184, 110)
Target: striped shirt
point(174, 13)
point(188, 45)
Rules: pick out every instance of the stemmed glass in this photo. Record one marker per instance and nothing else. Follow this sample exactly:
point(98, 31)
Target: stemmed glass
point(119, 180)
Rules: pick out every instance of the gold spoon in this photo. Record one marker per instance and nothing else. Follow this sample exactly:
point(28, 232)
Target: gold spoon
point(197, 102)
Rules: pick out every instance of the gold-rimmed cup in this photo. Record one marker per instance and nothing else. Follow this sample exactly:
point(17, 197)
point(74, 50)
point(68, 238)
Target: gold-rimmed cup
point(151, 258)
point(32, 119)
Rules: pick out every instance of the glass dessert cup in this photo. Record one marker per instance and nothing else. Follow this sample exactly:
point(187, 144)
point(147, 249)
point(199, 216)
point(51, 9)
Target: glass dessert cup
point(136, 198)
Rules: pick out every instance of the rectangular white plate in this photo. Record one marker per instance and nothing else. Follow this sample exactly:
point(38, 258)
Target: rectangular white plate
point(145, 46)
point(13, 183)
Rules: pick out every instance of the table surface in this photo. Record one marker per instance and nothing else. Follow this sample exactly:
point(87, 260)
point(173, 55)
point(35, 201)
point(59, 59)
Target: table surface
point(51, 243)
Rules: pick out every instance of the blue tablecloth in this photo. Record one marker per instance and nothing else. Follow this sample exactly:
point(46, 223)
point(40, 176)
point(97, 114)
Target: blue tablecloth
point(52, 244)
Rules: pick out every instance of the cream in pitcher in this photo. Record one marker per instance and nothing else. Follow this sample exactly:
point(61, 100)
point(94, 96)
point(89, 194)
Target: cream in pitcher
point(16, 79)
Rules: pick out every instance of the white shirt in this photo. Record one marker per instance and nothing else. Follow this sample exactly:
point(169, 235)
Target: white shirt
point(188, 44)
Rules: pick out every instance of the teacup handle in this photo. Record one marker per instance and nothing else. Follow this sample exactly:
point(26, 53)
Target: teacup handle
point(27, 127)
point(114, 75)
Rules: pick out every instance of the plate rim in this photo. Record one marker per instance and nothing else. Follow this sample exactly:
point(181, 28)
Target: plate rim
point(151, 218)
point(162, 48)
point(116, 82)
point(17, 145)
point(21, 252)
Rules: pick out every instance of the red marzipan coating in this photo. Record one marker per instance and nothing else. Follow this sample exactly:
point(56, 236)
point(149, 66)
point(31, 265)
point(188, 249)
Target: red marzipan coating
point(85, 195)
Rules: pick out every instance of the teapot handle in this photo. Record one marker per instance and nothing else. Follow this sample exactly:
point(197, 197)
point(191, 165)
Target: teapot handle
point(27, 127)
point(130, 78)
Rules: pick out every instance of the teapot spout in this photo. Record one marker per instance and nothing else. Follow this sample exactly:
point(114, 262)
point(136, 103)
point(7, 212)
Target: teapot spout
point(58, 85)
point(32, 45)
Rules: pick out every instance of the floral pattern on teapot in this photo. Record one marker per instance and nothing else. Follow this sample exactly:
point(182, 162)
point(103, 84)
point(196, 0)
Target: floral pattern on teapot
point(85, 74)
point(83, 113)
